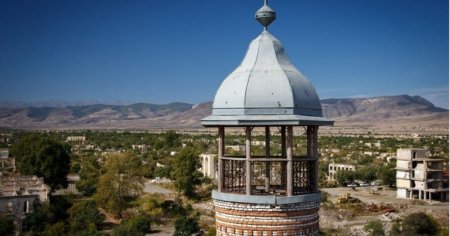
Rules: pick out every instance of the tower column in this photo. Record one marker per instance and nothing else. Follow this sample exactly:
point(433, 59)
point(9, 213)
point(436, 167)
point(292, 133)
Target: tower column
point(267, 176)
point(248, 156)
point(289, 169)
point(283, 155)
point(315, 155)
point(221, 153)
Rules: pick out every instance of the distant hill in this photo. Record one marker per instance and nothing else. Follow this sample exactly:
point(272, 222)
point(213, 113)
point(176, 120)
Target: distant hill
point(384, 111)
point(59, 103)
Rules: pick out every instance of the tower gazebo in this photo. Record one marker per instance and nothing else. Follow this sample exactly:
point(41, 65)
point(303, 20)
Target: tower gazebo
point(277, 193)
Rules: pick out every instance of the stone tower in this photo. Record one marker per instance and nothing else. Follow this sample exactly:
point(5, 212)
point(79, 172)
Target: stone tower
point(276, 193)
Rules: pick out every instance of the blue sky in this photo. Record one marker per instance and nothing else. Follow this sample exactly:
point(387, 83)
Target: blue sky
point(162, 51)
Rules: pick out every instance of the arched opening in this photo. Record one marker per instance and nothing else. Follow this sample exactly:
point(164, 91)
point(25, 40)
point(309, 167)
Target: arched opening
point(9, 207)
point(26, 207)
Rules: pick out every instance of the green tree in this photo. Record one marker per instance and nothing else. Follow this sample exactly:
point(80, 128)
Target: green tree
point(43, 157)
point(6, 226)
point(84, 215)
point(162, 172)
point(345, 176)
point(36, 222)
point(172, 139)
point(48, 217)
point(387, 175)
point(367, 173)
point(59, 206)
point(57, 229)
point(185, 226)
point(91, 231)
point(185, 173)
point(89, 176)
point(323, 172)
point(374, 228)
point(120, 183)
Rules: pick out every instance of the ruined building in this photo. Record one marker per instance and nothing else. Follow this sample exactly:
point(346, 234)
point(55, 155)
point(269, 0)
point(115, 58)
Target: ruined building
point(277, 193)
point(19, 196)
point(333, 168)
point(208, 165)
point(420, 177)
point(7, 163)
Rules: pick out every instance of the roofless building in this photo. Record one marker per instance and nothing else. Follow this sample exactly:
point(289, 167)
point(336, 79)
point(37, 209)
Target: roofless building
point(274, 194)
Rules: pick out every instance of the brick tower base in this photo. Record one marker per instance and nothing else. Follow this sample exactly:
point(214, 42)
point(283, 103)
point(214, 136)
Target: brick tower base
point(266, 215)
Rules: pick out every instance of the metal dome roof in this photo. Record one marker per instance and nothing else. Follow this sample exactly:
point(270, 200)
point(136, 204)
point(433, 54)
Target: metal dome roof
point(266, 89)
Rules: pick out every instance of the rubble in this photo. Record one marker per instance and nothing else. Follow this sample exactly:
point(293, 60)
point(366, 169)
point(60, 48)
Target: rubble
point(381, 208)
point(389, 217)
point(346, 198)
point(160, 181)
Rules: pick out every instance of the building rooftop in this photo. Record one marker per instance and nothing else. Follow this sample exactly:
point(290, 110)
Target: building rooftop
point(21, 185)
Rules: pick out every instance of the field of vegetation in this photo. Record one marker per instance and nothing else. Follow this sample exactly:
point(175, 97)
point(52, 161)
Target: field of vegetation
point(113, 167)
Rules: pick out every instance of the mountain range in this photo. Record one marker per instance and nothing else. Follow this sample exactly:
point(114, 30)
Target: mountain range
point(379, 112)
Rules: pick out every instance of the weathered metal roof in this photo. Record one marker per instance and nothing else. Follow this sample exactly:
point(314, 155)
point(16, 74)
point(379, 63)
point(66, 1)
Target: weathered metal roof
point(264, 89)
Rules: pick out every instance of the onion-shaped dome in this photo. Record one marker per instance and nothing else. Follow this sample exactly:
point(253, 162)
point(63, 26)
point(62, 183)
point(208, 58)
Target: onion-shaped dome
point(266, 88)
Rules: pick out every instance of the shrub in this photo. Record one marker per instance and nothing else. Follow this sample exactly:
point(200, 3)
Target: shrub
point(6, 226)
point(59, 228)
point(374, 228)
point(85, 214)
point(185, 226)
point(419, 223)
point(136, 226)
point(325, 197)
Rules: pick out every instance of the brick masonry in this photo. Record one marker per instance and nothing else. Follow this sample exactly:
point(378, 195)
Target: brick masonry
point(250, 219)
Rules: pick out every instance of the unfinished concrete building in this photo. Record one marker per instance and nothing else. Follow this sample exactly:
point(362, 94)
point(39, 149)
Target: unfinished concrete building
point(420, 177)
point(276, 193)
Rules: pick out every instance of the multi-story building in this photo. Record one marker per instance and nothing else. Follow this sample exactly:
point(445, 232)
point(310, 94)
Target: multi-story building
point(420, 177)
point(333, 168)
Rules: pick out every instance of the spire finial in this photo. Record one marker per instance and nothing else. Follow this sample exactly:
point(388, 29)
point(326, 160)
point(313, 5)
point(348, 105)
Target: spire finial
point(265, 15)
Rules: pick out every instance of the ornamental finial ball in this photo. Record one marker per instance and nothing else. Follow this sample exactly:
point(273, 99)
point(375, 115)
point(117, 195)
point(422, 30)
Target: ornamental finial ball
point(265, 15)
